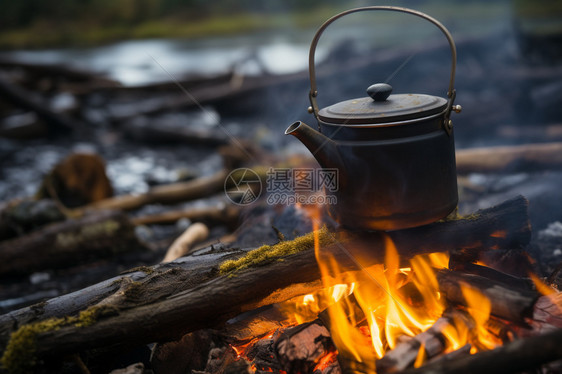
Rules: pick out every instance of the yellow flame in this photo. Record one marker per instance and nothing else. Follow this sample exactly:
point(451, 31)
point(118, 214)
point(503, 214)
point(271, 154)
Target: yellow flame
point(389, 301)
point(479, 307)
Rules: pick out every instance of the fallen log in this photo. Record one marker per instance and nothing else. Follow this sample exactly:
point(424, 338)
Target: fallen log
point(534, 157)
point(69, 242)
point(116, 288)
point(513, 357)
point(208, 301)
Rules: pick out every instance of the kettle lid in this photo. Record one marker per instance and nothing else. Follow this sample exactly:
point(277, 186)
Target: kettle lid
point(383, 108)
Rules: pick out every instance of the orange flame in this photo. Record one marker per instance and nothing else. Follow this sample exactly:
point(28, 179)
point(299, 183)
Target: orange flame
point(396, 301)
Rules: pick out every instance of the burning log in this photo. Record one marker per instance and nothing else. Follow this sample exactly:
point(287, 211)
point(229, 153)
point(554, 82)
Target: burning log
point(494, 159)
point(508, 302)
point(430, 343)
point(69, 242)
point(513, 357)
point(208, 299)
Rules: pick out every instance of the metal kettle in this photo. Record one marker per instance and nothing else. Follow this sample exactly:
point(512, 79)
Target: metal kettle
point(395, 153)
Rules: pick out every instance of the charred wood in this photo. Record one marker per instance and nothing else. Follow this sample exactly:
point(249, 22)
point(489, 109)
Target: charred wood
point(507, 302)
point(492, 274)
point(299, 349)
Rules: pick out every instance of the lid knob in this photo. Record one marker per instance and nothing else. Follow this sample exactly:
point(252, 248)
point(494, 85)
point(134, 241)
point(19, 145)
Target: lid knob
point(379, 91)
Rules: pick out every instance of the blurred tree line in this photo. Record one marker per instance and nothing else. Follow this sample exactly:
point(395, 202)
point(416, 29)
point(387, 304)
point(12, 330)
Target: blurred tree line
point(25, 13)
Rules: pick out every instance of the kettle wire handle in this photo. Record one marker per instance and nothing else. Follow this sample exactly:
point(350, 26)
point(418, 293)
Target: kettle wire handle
point(312, 70)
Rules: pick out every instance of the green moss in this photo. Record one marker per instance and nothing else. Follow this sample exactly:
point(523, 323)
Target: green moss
point(87, 233)
point(267, 253)
point(19, 356)
point(91, 315)
point(145, 269)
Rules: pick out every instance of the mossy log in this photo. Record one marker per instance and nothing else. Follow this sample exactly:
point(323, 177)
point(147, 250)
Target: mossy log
point(213, 298)
point(69, 242)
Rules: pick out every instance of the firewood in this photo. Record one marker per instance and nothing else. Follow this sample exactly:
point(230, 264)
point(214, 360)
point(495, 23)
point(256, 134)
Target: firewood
point(69, 242)
point(508, 302)
point(194, 234)
point(521, 157)
point(403, 356)
point(211, 299)
point(513, 357)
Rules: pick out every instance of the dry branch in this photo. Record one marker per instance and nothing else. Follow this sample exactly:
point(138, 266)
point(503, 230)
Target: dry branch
point(184, 243)
point(497, 159)
point(167, 194)
point(208, 302)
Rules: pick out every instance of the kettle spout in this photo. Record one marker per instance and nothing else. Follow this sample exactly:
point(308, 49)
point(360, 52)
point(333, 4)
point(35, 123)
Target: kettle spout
point(322, 148)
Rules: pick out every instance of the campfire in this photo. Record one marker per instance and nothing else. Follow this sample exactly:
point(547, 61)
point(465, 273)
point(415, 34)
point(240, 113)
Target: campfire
point(428, 312)
point(377, 270)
